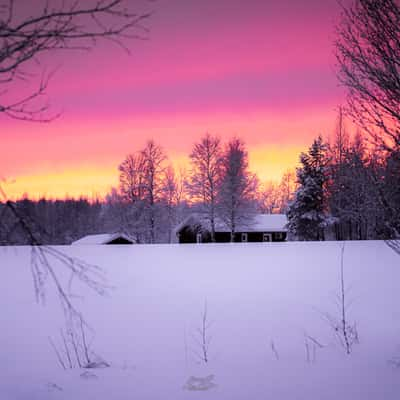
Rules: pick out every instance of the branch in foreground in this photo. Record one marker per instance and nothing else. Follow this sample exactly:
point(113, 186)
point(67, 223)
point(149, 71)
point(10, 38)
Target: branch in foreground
point(69, 25)
point(43, 267)
point(75, 351)
point(394, 245)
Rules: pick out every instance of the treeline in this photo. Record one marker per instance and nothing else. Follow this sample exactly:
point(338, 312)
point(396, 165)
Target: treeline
point(59, 222)
point(345, 189)
point(152, 198)
point(349, 189)
point(49, 221)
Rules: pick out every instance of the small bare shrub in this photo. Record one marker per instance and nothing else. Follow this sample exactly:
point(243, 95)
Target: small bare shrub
point(345, 332)
point(202, 338)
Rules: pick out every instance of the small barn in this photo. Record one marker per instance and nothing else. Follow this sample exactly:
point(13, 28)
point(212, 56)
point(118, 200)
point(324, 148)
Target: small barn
point(105, 238)
point(258, 228)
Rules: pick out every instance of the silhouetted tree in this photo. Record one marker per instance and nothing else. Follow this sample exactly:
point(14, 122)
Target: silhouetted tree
point(268, 198)
point(132, 177)
point(170, 199)
point(354, 201)
point(237, 193)
point(338, 149)
point(368, 56)
point(286, 189)
point(154, 160)
point(141, 183)
point(205, 175)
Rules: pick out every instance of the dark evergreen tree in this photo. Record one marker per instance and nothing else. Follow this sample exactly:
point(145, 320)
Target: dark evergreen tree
point(306, 214)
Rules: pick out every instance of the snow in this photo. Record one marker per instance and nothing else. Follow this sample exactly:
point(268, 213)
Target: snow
point(259, 223)
point(103, 238)
point(263, 301)
point(268, 223)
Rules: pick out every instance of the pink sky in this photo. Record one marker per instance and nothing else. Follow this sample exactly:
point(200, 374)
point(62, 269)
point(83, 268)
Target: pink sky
point(263, 70)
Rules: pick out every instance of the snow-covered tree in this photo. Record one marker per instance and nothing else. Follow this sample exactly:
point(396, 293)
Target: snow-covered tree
point(205, 175)
point(306, 214)
point(142, 184)
point(236, 197)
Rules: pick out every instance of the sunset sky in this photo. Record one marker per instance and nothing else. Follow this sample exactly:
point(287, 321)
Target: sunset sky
point(262, 70)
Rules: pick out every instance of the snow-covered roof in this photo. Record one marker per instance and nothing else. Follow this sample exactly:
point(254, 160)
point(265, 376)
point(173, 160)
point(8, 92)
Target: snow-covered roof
point(267, 223)
point(256, 223)
point(103, 238)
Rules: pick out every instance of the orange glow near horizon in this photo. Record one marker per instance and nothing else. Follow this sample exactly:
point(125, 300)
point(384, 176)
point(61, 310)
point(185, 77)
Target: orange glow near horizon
point(96, 182)
point(90, 183)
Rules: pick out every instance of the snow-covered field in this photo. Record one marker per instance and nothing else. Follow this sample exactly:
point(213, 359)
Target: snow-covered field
point(266, 319)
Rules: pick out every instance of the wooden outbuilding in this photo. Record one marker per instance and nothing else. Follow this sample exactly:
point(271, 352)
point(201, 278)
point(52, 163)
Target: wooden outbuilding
point(258, 228)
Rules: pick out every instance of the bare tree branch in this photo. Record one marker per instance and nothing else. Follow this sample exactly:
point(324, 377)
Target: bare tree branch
point(368, 57)
point(71, 25)
point(43, 267)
